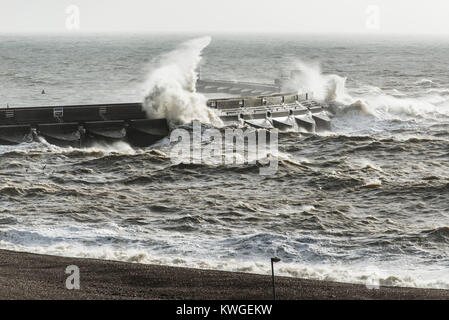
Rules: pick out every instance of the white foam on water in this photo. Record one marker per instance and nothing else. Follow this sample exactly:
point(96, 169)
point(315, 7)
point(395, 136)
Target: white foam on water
point(374, 182)
point(370, 100)
point(363, 163)
point(360, 273)
point(131, 244)
point(120, 147)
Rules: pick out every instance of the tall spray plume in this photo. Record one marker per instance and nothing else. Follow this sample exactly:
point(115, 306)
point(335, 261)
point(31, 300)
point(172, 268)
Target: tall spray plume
point(329, 88)
point(325, 87)
point(171, 92)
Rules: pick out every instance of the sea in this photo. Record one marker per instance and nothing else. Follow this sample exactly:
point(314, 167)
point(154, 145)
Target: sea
point(366, 201)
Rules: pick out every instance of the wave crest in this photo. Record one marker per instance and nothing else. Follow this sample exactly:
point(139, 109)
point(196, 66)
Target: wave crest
point(171, 84)
point(370, 100)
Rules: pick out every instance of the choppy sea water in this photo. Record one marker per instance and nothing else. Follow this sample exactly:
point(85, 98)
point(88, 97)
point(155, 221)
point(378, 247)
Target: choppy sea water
point(367, 200)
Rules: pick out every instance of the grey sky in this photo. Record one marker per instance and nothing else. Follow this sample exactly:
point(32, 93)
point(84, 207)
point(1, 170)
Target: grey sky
point(354, 16)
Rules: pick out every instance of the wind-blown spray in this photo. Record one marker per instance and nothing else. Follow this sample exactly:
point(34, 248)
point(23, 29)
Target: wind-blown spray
point(171, 87)
point(325, 87)
point(331, 88)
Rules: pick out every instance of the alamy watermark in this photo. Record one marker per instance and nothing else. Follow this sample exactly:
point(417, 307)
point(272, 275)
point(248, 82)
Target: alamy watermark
point(228, 146)
point(72, 21)
point(72, 282)
point(372, 21)
point(372, 280)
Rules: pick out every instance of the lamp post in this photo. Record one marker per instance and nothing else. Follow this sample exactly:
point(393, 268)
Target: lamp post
point(273, 260)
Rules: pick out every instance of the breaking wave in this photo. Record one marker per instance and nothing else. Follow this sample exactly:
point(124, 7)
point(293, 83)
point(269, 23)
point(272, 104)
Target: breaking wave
point(325, 87)
point(171, 92)
point(370, 100)
point(338, 204)
point(44, 242)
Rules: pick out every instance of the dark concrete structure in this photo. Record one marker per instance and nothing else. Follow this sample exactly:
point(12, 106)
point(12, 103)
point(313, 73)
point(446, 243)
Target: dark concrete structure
point(79, 125)
point(282, 111)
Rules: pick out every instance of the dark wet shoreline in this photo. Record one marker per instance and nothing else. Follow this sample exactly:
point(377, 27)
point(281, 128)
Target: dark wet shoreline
point(32, 276)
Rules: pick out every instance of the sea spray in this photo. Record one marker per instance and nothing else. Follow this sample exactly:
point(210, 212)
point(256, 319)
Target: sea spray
point(118, 147)
point(171, 91)
point(331, 89)
point(325, 87)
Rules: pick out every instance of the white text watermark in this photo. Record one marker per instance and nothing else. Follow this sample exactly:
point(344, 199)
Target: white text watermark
point(226, 147)
point(73, 280)
point(72, 22)
point(372, 21)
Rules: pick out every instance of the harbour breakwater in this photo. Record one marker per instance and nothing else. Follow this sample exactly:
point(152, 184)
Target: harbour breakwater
point(79, 125)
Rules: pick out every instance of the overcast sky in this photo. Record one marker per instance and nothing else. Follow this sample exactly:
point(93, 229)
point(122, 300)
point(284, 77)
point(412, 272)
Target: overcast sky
point(298, 16)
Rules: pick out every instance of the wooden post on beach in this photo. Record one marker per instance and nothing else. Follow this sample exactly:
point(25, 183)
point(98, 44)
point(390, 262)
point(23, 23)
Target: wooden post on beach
point(273, 260)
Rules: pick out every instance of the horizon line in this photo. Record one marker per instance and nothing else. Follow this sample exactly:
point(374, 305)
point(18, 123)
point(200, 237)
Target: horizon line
point(231, 32)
